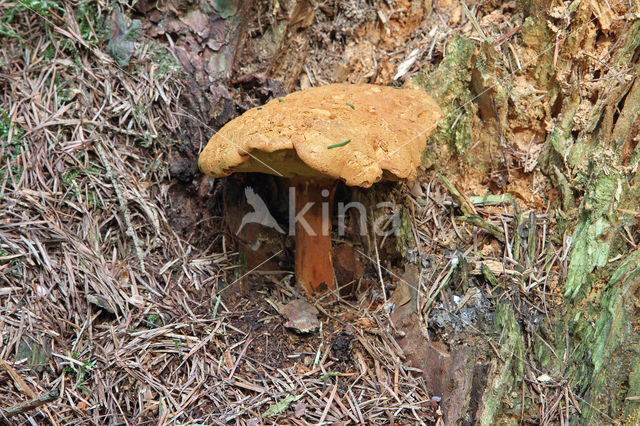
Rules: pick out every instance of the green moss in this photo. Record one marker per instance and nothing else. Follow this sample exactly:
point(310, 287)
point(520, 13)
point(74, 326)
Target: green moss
point(90, 23)
point(92, 26)
point(3, 253)
point(69, 183)
point(165, 63)
point(8, 32)
point(69, 177)
point(6, 130)
point(39, 7)
point(154, 320)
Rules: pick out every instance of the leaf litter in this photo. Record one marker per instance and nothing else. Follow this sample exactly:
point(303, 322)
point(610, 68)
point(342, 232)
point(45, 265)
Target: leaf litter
point(112, 263)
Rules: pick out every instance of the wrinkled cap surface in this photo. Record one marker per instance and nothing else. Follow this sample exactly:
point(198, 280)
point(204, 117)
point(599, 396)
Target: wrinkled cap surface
point(295, 136)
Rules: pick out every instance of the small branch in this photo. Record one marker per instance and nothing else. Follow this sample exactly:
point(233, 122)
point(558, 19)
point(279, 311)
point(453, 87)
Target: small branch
point(474, 21)
point(504, 37)
point(242, 353)
point(476, 220)
point(29, 405)
point(435, 294)
point(462, 200)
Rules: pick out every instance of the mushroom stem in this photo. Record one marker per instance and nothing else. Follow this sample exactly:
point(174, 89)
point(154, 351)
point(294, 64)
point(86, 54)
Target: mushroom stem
point(313, 205)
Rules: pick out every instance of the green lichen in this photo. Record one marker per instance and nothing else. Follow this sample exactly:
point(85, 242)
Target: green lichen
point(596, 340)
point(449, 85)
point(404, 233)
point(591, 244)
point(226, 8)
point(537, 36)
point(509, 369)
point(609, 370)
point(628, 49)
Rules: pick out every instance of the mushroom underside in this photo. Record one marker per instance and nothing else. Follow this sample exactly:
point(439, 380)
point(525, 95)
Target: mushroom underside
point(286, 163)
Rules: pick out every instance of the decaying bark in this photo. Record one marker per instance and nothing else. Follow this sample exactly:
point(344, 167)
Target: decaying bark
point(290, 57)
point(582, 60)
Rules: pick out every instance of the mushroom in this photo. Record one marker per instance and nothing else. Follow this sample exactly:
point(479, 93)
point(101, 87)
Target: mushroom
point(357, 133)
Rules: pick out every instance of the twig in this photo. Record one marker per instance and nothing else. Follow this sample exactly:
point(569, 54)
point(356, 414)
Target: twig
point(384, 291)
point(504, 37)
point(328, 406)
point(244, 351)
point(481, 223)
point(465, 204)
point(29, 405)
point(444, 282)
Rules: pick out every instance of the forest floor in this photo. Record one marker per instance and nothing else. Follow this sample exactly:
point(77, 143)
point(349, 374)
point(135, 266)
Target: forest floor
point(124, 288)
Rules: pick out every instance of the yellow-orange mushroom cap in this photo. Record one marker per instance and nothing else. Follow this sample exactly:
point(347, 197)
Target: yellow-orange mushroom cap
point(358, 133)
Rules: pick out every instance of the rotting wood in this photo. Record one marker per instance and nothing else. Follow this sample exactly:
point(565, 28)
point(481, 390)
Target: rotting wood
point(289, 59)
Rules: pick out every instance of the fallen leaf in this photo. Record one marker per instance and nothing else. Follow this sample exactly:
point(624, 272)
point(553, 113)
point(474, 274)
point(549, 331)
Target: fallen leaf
point(101, 301)
point(401, 295)
point(36, 354)
point(299, 409)
point(17, 379)
point(544, 378)
point(300, 315)
point(197, 21)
